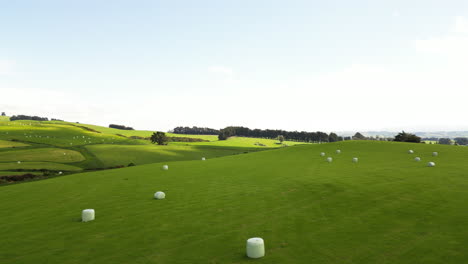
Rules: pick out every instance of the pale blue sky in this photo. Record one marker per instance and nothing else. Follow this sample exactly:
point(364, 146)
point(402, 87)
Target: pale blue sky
point(305, 65)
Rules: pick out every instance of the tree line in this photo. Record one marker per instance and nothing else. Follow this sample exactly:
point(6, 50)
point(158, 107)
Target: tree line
point(26, 117)
point(195, 131)
point(302, 136)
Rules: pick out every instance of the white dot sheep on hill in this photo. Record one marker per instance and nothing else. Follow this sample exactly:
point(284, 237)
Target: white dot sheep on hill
point(417, 159)
point(338, 151)
point(431, 164)
point(87, 215)
point(255, 247)
point(355, 160)
point(165, 167)
point(435, 154)
point(410, 151)
point(159, 195)
point(322, 154)
point(329, 159)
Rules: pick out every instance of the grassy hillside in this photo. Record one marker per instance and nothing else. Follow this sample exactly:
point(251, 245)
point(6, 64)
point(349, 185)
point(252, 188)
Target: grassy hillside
point(112, 155)
point(385, 209)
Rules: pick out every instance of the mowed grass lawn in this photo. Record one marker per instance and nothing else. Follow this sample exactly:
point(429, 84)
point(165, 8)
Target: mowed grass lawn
point(42, 154)
point(385, 209)
point(114, 155)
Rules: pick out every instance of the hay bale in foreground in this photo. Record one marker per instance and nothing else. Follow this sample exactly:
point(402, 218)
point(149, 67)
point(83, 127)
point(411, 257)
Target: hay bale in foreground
point(322, 154)
point(255, 247)
point(417, 159)
point(338, 151)
point(355, 160)
point(165, 167)
point(329, 159)
point(410, 151)
point(203, 158)
point(87, 215)
point(431, 164)
point(159, 195)
point(435, 154)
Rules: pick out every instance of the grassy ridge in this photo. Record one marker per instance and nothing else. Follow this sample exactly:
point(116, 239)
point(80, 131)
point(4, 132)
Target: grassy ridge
point(385, 209)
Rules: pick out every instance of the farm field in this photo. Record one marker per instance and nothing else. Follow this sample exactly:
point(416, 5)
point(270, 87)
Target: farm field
point(387, 208)
point(46, 144)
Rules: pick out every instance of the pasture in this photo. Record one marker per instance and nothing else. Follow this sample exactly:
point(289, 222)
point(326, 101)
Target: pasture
point(386, 208)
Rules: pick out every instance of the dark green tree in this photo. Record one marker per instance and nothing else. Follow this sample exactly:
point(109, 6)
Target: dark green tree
point(3, 114)
point(461, 140)
point(159, 138)
point(407, 137)
point(333, 137)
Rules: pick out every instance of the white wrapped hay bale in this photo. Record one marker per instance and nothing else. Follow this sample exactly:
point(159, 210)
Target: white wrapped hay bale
point(165, 167)
point(87, 215)
point(255, 247)
point(355, 160)
point(435, 154)
point(417, 159)
point(60, 173)
point(410, 151)
point(322, 154)
point(203, 158)
point(159, 195)
point(329, 159)
point(431, 164)
point(338, 151)
point(19, 162)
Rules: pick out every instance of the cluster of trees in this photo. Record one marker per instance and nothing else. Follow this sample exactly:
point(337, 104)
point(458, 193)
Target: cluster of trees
point(302, 136)
point(120, 127)
point(3, 114)
point(407, 137)
point(195, 131)
point(461, 141)
point(25, 117)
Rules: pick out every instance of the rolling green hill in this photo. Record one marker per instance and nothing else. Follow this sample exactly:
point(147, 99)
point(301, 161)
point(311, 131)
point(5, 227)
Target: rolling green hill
point(43, 144)
point(387, 208)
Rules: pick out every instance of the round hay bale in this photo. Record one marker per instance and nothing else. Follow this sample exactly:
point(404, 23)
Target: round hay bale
point(60, 173)
point(322, 154)
point(338, 151)
point(159, 195)
point(165, 167)
point(417, 159)
point(435, 154)
point(410, 151)
point(255, 247)
point(329, 159)
point(19, 162)
point(431, 164)
point(87, 215)
point(203, 158)
point(355, 160)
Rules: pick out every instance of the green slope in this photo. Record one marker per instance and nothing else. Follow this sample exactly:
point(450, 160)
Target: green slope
point(385, 209)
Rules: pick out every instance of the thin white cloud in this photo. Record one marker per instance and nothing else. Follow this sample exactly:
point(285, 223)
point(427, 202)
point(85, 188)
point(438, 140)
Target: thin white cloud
point(396, 13)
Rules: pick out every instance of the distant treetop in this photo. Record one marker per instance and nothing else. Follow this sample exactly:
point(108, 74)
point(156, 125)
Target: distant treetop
point(25, 117)
point(195, 131)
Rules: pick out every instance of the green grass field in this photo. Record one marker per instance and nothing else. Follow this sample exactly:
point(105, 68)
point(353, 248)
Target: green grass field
point(11, 144)
point(385, 209)
point(114, 155)
point(26, 166)
point(42, 154)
